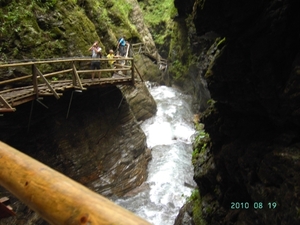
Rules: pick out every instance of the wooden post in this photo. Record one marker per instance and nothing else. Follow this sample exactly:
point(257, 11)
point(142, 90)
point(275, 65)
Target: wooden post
point(127, 50)
point(132, 71)
point(57, 198)
point(34, 81)
point(139, 73)
point(76, 77)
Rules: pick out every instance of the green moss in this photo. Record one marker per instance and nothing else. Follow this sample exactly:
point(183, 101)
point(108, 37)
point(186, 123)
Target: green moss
point(156, 11)
point(200, 144)
point(158, 16)
point(197, 209)
point(177, 69)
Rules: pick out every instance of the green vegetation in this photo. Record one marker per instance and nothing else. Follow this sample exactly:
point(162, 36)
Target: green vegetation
point(40, 29)
point(156, 11)
point(46, 4)
point(178, 70)
point(158, 16)
point(197, 208)
point(200, 143)
point(123, 9)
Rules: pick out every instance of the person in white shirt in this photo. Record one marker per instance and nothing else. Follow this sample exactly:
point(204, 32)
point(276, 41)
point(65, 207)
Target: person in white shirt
point(96, 53)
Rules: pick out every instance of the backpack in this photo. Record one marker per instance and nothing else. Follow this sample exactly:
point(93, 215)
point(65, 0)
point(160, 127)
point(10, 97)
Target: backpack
point(122, 41)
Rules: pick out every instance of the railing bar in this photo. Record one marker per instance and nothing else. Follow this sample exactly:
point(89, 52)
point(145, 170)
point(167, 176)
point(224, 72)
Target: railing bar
point(103, 70)
point(46, 82)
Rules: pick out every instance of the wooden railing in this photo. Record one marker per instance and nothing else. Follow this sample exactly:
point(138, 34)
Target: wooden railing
point(7, 104)
point(55, 197)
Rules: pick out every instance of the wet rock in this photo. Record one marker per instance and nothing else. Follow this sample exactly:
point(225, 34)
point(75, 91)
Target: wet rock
point(254, 124)
point(100, 144)
point(140, 100)
point(185, 215)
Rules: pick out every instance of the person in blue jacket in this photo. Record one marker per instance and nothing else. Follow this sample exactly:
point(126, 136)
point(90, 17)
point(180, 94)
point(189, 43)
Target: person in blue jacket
point(121, 46)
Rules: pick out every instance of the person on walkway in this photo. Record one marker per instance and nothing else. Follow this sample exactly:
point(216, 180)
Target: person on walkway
point(111, 55)
point(121, 46)
point(96, 53)
point(111, 62)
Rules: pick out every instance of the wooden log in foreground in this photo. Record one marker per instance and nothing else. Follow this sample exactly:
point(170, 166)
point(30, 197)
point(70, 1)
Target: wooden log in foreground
point(57, 198)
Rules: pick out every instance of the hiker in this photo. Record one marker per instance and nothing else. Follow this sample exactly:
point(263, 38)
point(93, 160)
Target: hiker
point(111, 55)
point(121, 46)
point(96, 53)
point(111, 62)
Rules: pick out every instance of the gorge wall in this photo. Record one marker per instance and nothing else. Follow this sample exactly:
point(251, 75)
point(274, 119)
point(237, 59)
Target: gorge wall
point(99, 145)
point(253, 125)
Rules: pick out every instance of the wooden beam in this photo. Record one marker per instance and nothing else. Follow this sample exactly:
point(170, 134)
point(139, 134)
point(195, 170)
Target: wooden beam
point(127, 50)
point(29, 76)
point(54, 61)
point(5, 110)
point(76, 77)
point(46, 82)
point(139, 73)
point(132, 72)
point(57, 198)
point(34, 80)
point(104, 70)
point(6, 104)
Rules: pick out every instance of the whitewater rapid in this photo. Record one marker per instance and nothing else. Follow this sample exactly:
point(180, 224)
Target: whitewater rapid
point(170, 172)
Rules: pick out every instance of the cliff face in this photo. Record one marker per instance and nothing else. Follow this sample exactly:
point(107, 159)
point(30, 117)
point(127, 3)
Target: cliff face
point(100, 144)
point(254, 124)
point(33, 30)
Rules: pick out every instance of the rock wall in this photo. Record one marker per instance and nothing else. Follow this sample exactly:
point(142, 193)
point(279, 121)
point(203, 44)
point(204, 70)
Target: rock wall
point(140, 100)
point(254, 124)
point(100, 144)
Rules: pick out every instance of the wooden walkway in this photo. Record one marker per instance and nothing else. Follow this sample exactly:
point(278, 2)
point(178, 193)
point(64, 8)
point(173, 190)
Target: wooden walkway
point(12, 96)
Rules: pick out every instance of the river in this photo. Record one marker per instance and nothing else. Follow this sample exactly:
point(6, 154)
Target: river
point(170, 172)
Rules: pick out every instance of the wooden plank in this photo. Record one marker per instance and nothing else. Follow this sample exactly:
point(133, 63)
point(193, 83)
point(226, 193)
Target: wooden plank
point(23, 99)
point(57, 198)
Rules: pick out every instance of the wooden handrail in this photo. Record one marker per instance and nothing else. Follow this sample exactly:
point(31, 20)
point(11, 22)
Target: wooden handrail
point(58, 199)
point(71, 60)
point(59, 61)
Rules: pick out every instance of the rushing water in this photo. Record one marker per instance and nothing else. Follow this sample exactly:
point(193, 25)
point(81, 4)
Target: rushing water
point(170, 172)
